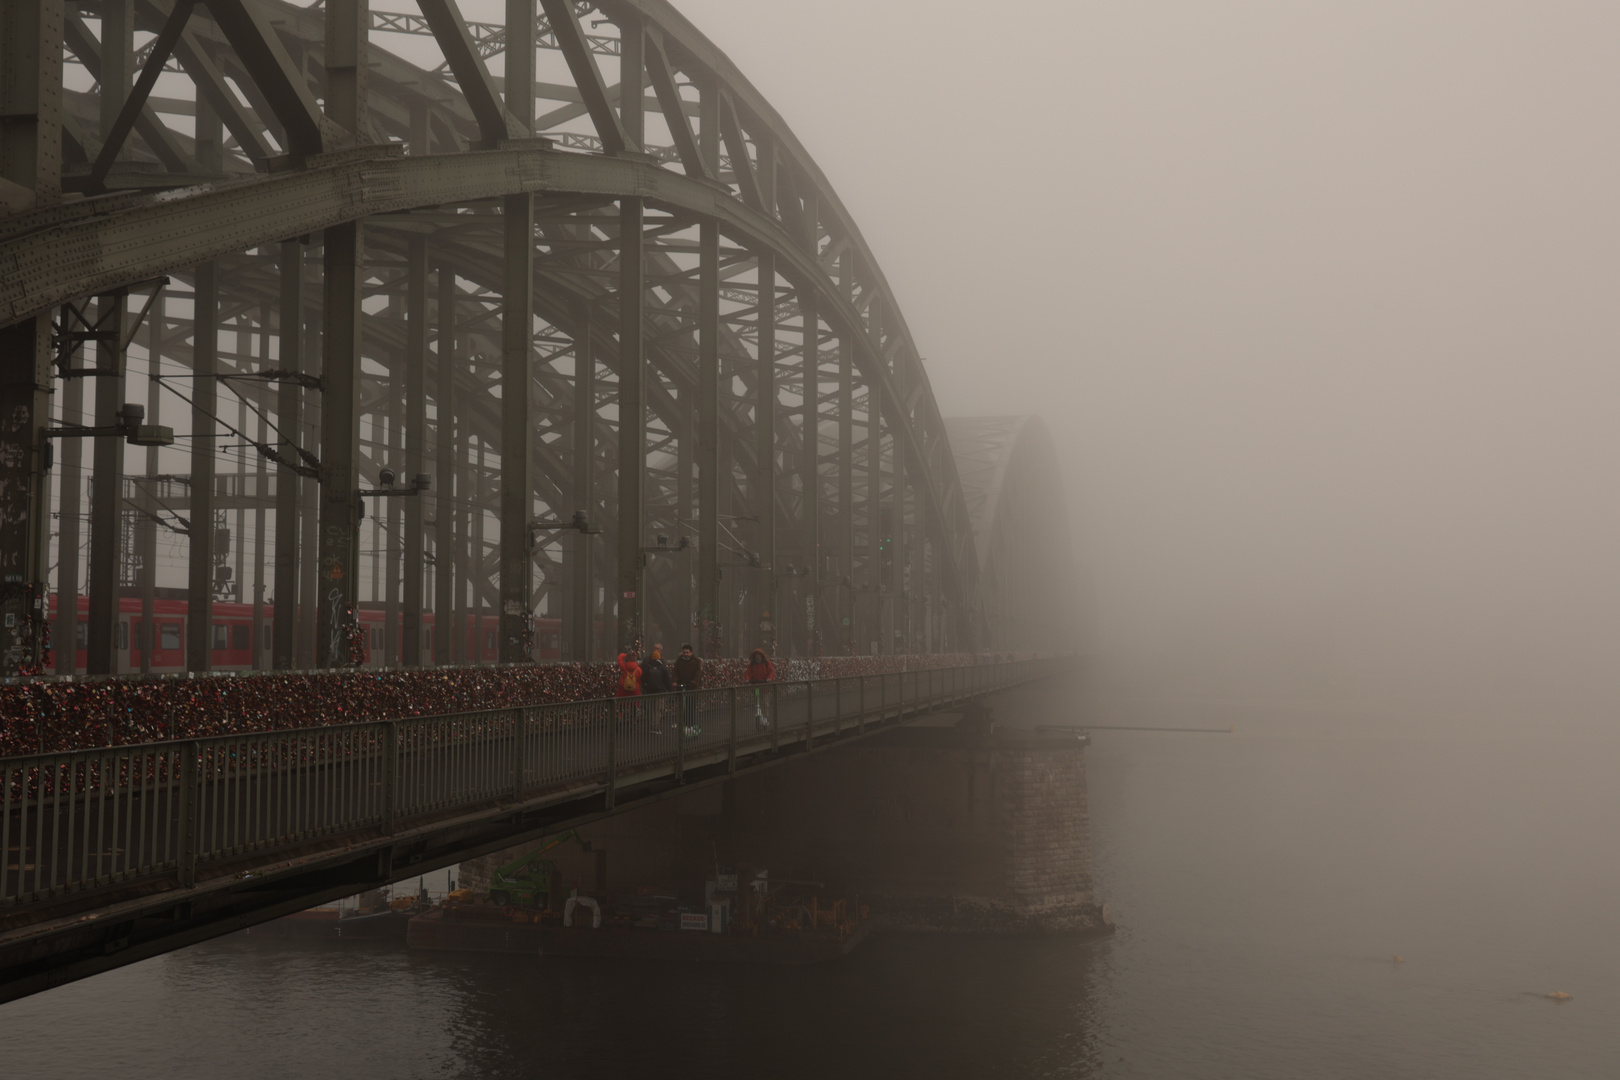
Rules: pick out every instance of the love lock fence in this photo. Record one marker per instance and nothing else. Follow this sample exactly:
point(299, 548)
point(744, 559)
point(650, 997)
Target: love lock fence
point(89, 818)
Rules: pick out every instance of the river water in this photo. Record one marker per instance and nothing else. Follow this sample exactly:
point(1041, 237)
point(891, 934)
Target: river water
point(1262, 882)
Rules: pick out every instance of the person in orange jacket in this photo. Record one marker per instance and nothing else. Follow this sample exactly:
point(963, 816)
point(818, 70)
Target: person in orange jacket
point(760, 672)
point(629, 675)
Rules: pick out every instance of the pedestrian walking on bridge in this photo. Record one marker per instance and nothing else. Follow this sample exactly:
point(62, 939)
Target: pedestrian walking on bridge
point(688, 680)
point(760, 672)
point(655, 680)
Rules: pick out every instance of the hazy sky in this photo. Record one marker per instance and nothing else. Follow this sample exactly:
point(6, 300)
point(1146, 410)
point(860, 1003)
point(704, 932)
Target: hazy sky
point(1316, 297)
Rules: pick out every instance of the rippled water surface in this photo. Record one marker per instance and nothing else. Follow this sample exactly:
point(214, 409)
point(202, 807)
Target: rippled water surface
point(1263, 884)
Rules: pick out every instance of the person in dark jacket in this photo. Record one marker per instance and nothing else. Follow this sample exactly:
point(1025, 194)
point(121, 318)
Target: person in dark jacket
point(655, 680)
point(688, 670)
point(655, 674)
point(688, 678)
point(760, 672)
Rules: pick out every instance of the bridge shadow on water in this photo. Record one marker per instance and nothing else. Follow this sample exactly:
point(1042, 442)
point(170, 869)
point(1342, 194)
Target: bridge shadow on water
point(899, 1006)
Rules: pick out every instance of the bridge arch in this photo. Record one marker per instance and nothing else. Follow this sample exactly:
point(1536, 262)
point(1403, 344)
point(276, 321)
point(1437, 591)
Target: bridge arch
point(1013, 485)
point(364, 244)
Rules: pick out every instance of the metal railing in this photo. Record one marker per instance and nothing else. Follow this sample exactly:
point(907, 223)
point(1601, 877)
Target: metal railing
point(89, 818)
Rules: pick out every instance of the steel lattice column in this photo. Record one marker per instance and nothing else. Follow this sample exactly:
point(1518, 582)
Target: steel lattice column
point(517, 347)
point(444, 512)
point(582, 546)
point(810, 468)
point(204, 402)
point(106, 488)
point(31, 171)
point(340, 421)
point(846, 491)
point(632, 421)
point(764, 497)
point(291, 327)
point(347, 25)
point(146, 531)
point(708, 439)
point(67, 538)
point(415, 436)
point(25, 381)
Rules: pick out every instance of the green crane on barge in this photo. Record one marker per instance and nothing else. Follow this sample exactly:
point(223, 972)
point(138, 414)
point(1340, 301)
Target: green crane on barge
point(532, 881)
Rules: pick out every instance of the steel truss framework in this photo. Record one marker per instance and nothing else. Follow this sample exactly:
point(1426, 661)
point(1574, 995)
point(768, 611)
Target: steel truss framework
point(375, 245)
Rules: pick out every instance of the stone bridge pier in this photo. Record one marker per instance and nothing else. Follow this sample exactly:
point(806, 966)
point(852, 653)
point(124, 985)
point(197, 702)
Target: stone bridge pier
point(963, 828)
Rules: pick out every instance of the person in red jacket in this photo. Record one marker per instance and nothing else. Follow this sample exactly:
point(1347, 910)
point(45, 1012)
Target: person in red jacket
point(760, 672)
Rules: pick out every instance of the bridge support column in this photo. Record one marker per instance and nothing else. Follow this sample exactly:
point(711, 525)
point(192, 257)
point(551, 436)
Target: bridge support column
point(900, 636)
point(309, 501)
point(25, 384)
point(632, 423)
point(146, 527)
point(581, 545)
point(708, 438)
point(416, 336)
point(284, 621)
point(340, 421)
point(204, 406)
point(516, 618)
point(444, 449)
point(764, 496)
point(106, 490)
point(810, 474)
point(65, 636)
point(872, 631)
point(846, 493)
point(517, 501)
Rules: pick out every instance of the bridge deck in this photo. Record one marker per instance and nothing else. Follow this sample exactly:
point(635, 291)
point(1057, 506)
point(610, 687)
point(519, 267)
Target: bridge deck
point(119, 853)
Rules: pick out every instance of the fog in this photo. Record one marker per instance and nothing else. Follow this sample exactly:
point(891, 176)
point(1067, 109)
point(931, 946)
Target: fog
point(1316, 298)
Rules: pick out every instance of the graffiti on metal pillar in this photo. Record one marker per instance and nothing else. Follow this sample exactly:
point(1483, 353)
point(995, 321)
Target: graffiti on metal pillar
point(344, 636)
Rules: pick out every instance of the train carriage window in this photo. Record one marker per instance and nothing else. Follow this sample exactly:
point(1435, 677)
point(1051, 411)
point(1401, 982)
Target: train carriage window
point(81, 634)
point(123, 635)
point(489, 641)
point(221, 636)
point(169, 635)
point(240, 637)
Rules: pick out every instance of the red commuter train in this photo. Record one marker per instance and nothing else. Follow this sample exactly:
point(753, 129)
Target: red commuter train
point(234, 640)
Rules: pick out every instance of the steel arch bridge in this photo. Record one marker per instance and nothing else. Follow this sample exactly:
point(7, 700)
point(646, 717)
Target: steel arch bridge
point(326, 242)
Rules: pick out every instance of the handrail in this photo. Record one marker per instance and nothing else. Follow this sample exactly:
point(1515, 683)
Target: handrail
point(83, 819)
